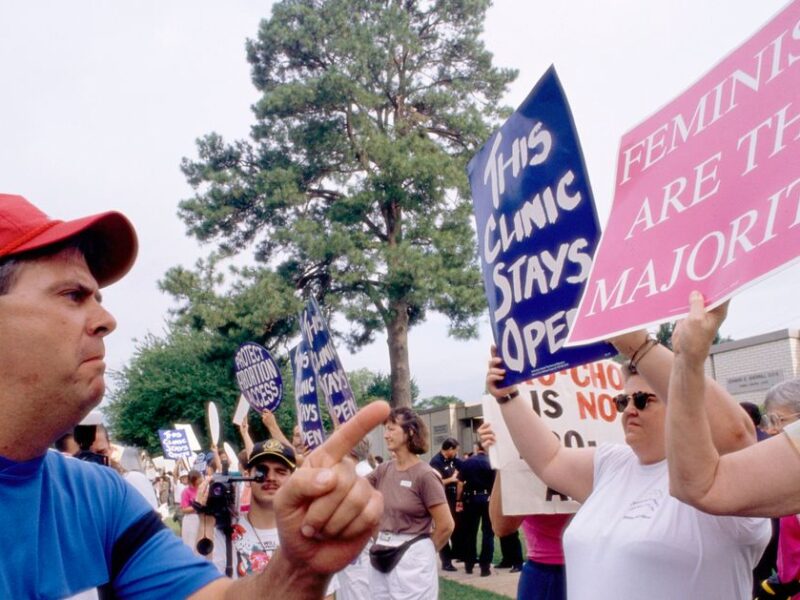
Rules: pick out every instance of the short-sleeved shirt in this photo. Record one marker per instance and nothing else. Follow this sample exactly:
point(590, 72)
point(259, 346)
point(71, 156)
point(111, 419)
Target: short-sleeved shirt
point(478, 477)
point(789, 549)
point(632, 539)
point(408, 496)
point(188, 496)
point(253, 548)
point(446, 467)
point(543, 537)
point(78, 527)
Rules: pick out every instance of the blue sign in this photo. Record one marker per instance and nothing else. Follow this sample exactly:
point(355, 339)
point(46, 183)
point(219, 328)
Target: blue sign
point(305, 394)
point(174, 443)
point(325, 362)
point(200, 463)
point(258, 377)
point(537, 233)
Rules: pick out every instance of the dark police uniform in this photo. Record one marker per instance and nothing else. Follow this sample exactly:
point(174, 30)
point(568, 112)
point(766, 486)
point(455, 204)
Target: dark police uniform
point(478, 478)
point(446, 467)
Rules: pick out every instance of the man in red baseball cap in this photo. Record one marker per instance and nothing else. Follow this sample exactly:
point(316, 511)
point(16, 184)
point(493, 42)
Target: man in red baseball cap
point(108, 237)
point(73, 527)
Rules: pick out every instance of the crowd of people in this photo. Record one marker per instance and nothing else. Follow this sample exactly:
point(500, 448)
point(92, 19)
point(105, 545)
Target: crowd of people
point(678, 511)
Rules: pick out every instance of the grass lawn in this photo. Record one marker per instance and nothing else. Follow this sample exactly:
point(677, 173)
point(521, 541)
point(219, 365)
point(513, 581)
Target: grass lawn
point(173, 525)
point(450, 590)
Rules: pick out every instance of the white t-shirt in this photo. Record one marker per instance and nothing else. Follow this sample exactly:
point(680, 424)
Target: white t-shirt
point(632, 540)
point(143, 486)
point(252, 550)
point(177, 491)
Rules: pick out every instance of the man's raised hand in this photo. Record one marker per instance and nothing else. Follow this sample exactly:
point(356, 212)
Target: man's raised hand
point(325, 512)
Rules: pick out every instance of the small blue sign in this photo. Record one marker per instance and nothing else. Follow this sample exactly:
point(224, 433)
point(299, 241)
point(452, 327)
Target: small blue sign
point(305, 393)
point(174, 443)
point(537, 234)
point(258, 377)
point(200, 463)
point(325, 362)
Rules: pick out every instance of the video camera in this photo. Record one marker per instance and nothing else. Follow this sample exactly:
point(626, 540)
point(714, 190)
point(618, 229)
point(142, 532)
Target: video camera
point(93, 457)
point(221, 504)
point(84, 436)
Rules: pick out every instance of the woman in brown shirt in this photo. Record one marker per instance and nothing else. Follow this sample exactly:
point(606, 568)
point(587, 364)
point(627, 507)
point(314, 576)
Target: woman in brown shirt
point(415, 516)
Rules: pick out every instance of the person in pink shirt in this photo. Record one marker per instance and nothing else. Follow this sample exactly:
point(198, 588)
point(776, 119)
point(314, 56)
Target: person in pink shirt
point(788, 559)
point(542, 575)
point(191, 521)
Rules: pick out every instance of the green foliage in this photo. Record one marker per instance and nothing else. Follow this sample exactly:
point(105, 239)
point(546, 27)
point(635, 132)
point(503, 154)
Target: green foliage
point(665, 331)
point(170, 381)
point(437, 402)
point(368, 386)
point(353, 186)
point(257, 306)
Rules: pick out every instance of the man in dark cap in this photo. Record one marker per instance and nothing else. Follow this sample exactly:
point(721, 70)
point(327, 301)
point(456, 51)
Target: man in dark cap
point(94, 530)
point(255, 535)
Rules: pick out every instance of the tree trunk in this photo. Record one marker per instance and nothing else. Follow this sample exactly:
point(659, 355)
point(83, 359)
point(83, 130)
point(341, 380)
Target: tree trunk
point(398, 355)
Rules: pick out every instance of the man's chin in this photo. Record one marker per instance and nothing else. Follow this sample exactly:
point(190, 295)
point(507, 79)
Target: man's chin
point(91, 398)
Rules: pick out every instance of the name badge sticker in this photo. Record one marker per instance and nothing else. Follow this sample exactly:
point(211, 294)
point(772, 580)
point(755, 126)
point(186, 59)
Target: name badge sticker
point(405, 483)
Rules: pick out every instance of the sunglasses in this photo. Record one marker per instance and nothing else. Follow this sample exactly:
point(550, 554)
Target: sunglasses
point(640, 400)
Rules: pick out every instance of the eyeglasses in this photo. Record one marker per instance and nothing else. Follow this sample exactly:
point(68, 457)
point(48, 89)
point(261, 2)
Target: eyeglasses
point(640, 400)
point(776, 421)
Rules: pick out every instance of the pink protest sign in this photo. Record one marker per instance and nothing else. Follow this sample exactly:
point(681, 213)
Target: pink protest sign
point(707, 191)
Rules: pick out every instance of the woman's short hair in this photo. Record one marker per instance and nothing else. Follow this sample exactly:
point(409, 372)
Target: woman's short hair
point(414, 428)
point(786, 394)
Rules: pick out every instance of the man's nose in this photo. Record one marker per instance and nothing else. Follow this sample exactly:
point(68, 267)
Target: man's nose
point(102, 322)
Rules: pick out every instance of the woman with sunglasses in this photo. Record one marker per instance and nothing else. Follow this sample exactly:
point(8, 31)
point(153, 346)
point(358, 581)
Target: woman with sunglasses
point(630, 538)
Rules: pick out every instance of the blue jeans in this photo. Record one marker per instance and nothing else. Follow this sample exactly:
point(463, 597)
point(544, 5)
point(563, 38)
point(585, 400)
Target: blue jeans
point(540, 581)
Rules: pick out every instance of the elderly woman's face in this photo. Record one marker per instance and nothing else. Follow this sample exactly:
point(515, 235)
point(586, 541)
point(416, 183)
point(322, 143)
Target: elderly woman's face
point(643, 424)
point(776, 417)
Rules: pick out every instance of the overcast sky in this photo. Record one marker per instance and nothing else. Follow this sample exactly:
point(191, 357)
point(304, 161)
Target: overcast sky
point(100, 101)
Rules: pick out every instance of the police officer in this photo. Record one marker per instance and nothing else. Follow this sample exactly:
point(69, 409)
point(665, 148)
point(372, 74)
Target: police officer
point(475, 481)
point(446, 463)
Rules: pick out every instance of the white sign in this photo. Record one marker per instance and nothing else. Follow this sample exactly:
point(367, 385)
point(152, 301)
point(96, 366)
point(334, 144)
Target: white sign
point(193, 443)
point(242, 408)
point(578, 406)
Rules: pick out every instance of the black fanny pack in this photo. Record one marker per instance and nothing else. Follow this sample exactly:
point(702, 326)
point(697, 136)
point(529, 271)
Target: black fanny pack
point(385, 558)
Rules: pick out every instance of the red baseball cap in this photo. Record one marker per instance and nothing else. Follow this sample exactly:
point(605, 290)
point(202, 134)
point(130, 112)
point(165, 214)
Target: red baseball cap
point(23, 227)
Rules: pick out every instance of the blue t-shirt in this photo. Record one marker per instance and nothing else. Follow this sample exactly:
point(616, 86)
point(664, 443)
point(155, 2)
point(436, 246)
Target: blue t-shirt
point(71, 526)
